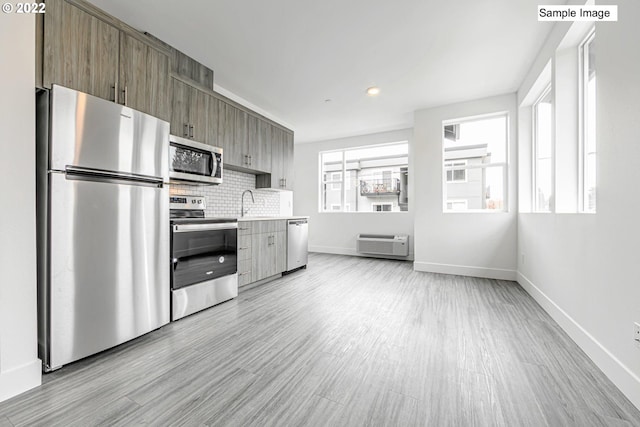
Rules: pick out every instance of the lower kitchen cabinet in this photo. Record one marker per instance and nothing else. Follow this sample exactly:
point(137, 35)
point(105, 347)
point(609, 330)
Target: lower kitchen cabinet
point(262, 250)
point(245, 253)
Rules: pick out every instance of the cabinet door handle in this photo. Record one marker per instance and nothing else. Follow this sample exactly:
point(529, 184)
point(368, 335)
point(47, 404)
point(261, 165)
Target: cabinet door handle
point(250, 160)
point(191, 130)
point(185, 130)
point(246, 159)
point(243, 249)
point(115, 92)
point(126, 96)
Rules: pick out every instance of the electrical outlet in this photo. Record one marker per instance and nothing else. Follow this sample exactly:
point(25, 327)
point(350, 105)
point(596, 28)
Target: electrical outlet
point(636, 332)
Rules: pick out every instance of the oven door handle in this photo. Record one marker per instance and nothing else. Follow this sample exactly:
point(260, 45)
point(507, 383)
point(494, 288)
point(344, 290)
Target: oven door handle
point(184, 228)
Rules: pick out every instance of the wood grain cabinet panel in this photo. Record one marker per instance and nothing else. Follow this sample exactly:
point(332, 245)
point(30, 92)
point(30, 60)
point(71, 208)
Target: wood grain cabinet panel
point(179, 123)
point(281, 251)
point(264, 264)
point(269, 249)
point(80, 51)
point(190, 113)
point(226, 130)
point(245, 255)
point(287, 160)
point(258, 144)
point(144, 78)
point(189, 68)
point(281, 171)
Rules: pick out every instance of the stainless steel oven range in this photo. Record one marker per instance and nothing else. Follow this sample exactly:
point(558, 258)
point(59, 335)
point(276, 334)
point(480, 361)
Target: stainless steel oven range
point(203, 257)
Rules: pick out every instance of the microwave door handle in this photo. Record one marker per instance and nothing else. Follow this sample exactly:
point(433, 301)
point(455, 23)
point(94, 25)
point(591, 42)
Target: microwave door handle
point(212, 165)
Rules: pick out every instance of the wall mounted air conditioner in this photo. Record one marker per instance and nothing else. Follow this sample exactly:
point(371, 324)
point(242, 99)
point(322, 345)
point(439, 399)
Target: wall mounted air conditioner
point(383, 244)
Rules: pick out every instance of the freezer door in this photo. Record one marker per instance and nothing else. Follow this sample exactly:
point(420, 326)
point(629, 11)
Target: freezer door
point(92, 133)
point(109, 265)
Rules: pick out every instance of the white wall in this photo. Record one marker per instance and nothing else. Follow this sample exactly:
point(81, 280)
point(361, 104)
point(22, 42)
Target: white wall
point(19, 365)
point(583, 268)
point(472, 243)
point(333, 232)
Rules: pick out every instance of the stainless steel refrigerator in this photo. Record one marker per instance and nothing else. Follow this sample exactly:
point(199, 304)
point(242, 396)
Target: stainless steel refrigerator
point(103, 225)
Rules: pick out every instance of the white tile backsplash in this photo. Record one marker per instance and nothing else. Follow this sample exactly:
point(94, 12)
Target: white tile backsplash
point(224, 200)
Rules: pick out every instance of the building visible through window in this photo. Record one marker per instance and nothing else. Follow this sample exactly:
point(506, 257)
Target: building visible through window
point(376, 179)
point(588, 144)
point(543, 152)
point(475, 164)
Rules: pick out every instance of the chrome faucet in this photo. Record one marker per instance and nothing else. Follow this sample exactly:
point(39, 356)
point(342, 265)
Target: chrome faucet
point(242, 211)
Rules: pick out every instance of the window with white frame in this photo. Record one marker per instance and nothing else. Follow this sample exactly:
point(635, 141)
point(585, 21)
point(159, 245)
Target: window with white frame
point(543, 158)
point(457, 205)
point(372, 178)
point(336, 180)
point(588, 123)
point(456, 175)
point(476, 149)
point(382, 207)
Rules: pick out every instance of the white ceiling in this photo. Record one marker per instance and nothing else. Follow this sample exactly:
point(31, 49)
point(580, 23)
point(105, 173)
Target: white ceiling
point(288, 56)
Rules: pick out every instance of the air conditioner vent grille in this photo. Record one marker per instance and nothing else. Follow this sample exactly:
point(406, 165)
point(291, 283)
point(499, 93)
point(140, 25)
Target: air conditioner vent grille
point(383, 244)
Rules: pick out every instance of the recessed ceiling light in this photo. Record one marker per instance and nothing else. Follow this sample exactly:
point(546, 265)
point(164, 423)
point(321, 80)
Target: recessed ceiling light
point(373, 91)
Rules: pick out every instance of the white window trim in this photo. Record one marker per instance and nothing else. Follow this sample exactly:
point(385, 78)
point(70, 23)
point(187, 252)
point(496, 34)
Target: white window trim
point(534, 154)
point(582, 152)
point(504, 165)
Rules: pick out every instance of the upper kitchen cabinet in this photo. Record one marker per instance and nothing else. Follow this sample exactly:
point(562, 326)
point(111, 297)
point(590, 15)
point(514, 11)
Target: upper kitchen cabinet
point(144, 78)
point(281, 176)
point(229, 138)
point(259, 144)
point(80, 51)
point(190, 113)
point(84, 52)
point(189, 68)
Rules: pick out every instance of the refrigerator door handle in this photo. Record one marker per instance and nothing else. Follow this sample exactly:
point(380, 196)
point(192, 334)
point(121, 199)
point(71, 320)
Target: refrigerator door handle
point(75, 172)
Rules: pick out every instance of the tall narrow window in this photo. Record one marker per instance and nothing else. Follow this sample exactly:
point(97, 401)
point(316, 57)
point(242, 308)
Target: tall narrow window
point(475, 164)
point(588, 143)
point(543, 152)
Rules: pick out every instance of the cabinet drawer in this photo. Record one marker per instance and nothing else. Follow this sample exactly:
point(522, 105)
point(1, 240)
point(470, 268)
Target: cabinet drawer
point(244, 272)
point(269, 226)
point(244, 247)
point(245, 228)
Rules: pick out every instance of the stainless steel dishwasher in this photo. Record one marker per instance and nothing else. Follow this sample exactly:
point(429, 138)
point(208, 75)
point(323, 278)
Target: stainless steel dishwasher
point(297, 246)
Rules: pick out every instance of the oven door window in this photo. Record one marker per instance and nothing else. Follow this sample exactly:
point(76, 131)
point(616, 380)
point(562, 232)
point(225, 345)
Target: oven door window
point(191, 160)
point(199, 256)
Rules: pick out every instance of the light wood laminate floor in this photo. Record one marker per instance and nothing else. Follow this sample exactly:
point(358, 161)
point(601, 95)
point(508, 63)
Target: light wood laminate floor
point(347, 342)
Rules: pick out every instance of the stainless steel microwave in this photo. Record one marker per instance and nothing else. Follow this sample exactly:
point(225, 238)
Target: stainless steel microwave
point(192, 162)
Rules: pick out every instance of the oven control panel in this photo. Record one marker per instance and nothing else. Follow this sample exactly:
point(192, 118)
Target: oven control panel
point(187, 202)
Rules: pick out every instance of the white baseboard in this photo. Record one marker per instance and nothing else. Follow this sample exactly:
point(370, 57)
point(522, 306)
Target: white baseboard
point(20, 379)
point(613, 368)
point(464, 270)
point(335, 250)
